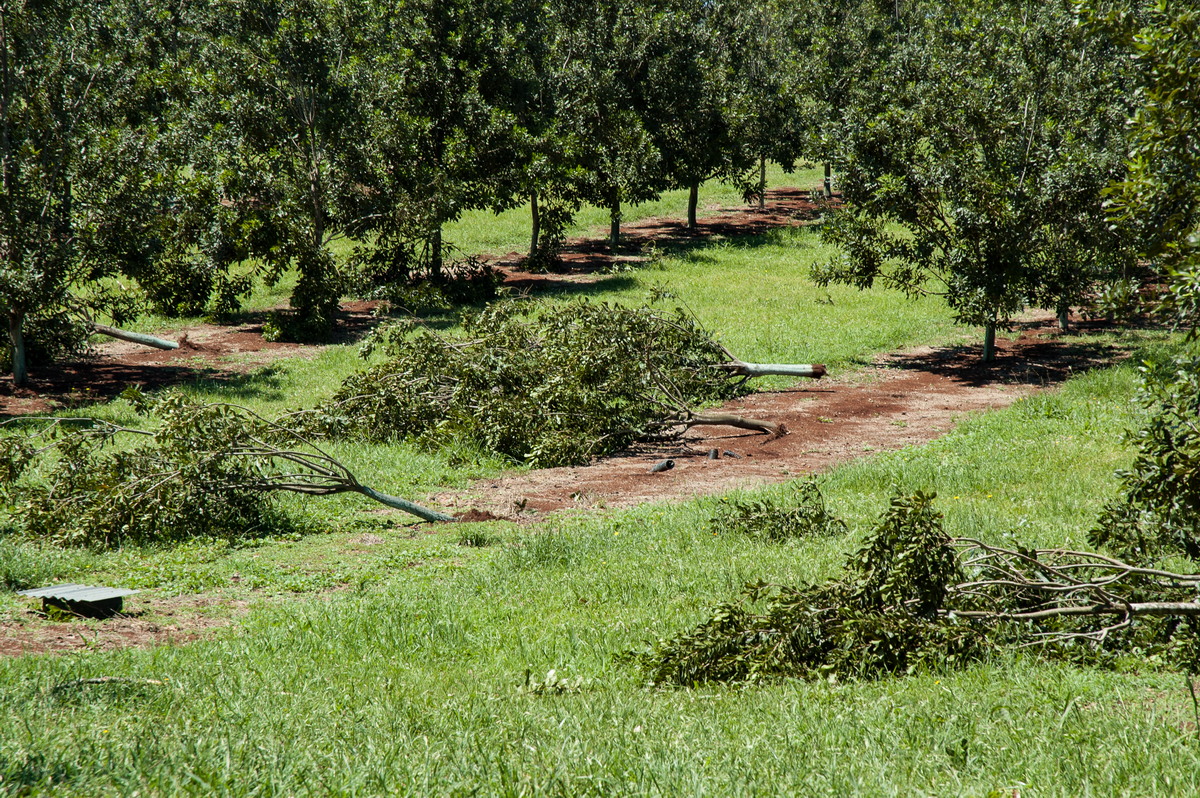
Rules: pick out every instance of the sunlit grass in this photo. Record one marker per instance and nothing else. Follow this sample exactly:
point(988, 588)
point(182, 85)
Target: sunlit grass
point(411, 678)
point(482, 231)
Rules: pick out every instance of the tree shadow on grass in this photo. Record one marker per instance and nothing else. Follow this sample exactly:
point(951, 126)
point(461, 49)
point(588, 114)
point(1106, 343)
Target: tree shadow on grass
point(1039, 356)
point(96, 381)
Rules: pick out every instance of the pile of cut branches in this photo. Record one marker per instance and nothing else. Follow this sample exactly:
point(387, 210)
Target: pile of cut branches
point(545, 384)
point(205, 470)
point(914, 598)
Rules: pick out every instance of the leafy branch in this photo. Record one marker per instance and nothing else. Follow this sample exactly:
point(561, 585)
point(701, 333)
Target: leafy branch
point(913, 598)
point(206, 469)
point(547, 385)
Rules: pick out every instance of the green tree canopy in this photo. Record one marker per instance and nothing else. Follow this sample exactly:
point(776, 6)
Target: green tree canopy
point(974, 162)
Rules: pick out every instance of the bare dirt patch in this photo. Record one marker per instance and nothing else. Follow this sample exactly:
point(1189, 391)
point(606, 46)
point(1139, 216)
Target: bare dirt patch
point(153, 622)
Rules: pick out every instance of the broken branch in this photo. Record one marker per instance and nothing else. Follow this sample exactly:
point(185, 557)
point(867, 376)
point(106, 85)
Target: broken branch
point(132, 337)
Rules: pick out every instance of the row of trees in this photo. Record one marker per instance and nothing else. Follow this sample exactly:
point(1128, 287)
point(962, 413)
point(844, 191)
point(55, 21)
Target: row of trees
point(169, 141)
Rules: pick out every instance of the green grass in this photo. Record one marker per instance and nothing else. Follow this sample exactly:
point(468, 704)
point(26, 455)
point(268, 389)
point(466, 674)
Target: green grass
point(483, 232)
point(501, 233)
point(411, 678)
point(401, 663)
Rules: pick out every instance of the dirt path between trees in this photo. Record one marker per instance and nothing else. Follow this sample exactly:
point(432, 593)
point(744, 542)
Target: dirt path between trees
point(902, 400)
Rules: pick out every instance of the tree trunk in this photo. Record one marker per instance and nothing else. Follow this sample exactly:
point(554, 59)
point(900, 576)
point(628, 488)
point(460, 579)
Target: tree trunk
point(828, 186)
point(16, 334)
point(614, 224)
point(137, 338)
point(730, 420)
point(403, 504)
point(435, 253)
point(989, 341)
point(536, 224)
point(693, 201)
point(762, 182)
point(814, 370)
point(1064, 317)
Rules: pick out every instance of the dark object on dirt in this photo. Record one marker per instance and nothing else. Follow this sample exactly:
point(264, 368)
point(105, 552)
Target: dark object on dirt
point(81, 600)
point(734, 455)
point(714, 454)
point(664, 465)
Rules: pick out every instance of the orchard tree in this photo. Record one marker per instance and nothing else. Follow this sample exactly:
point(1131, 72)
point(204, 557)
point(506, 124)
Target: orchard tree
point(601, 52)
point(439, 134)
point(1157, 512)
point(976, 160)
point(80, 125)
point(1160, 194)
point(689, 88)
point(766, 100)
point(837, 49)
point(276, 130)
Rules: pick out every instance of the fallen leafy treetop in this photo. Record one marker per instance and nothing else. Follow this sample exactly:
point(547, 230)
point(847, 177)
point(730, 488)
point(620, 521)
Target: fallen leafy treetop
point(914, 598)
point(546, 384)
point(205, 470)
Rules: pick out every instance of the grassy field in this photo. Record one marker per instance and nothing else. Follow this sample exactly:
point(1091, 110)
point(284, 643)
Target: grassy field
point(412, 678)
point(417, 663)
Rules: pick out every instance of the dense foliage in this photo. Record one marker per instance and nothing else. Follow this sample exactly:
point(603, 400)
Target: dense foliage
point(912, 598)
point(975, 162)
point(203, 471)
point(176, 483)
point(1157, 514)
point(880, 618)
point(197, 148)
point(546, 385)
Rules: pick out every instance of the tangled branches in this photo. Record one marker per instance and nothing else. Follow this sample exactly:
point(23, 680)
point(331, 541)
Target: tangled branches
point(547, 385)
point(913, 598)
point(205, 470)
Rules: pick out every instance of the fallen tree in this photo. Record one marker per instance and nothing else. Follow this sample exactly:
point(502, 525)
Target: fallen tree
point(914, 598)
point(132, 337)
point(205, 470)
point(546, 384)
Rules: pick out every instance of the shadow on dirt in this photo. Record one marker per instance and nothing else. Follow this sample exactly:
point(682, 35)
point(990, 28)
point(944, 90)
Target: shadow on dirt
point(1038, 356)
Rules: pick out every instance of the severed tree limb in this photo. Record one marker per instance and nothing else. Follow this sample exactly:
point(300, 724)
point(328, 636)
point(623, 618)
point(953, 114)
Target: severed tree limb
point(1132, 609)
point(137, 338)
point(732, 420)
point(812, 370)
point(283, 459)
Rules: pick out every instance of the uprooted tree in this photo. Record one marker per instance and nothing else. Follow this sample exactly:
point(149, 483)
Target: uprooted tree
point(546, 384)
point(914, 598)
point(205, 470)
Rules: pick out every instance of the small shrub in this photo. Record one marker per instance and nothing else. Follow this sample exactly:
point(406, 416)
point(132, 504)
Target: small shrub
point(1158, 512)
point(801, 514)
